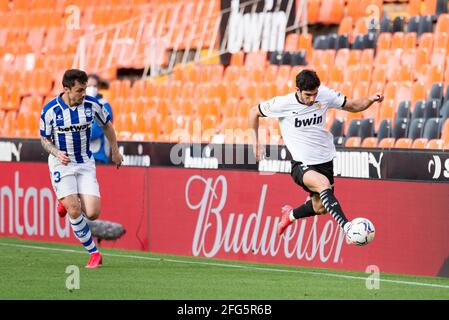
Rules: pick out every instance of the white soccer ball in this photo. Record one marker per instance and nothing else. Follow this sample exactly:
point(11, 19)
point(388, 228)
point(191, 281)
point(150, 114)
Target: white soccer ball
point(361, 232)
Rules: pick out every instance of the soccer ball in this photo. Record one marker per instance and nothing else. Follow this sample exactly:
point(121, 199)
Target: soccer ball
point(361, 232)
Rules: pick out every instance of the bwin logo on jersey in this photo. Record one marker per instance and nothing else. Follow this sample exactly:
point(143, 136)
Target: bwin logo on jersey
point(308, 122)
point(74, 128)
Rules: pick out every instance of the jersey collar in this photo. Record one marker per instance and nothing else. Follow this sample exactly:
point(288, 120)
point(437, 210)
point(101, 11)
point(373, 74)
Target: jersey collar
point(61, 102)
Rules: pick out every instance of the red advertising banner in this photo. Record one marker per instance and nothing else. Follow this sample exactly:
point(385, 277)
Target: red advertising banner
point(28, 204)
point(233, 215)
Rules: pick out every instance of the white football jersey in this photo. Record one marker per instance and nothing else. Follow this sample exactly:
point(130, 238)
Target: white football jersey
point(303, 127)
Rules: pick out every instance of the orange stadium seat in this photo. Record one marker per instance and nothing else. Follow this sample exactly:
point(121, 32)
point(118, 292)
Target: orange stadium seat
point(419, 143)
point(435, 144)
point(313, 10)
point(305, 43)
point(386, 143)
point(354, 9)
point(428, 7)
point(331, 11)
point(418, 92)
point(414, 7)
point(353, 142)
point(403, 143)
point(292, 42)
point(345, 26)
point(426, 41)
point(397, 41)
point(369, 143)
point(442, 24)
point(441, 41)
point(384, 41)
point(410, 41)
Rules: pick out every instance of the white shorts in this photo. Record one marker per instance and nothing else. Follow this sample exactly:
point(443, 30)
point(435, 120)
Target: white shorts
point(74, 178)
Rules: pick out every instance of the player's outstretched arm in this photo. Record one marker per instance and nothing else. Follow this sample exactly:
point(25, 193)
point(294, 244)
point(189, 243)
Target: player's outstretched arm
point(109, 132)
point(359, 105)
point(51, 149)
point(253, 118)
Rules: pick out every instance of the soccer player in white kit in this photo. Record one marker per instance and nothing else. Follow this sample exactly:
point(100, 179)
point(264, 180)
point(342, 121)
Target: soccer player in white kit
point(302, 119)
point(65, 126)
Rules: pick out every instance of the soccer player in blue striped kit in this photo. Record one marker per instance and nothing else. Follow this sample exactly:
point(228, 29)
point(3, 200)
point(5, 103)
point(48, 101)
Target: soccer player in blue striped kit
point(65, 127)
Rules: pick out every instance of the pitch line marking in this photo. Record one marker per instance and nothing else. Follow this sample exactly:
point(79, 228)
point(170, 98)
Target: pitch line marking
point(224, 265)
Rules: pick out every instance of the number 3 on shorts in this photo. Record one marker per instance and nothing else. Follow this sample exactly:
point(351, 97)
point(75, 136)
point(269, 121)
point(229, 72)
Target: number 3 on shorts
point(57, 176)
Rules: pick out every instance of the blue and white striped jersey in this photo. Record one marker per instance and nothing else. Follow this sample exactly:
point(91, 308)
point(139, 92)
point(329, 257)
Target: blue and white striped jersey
point(69, 127)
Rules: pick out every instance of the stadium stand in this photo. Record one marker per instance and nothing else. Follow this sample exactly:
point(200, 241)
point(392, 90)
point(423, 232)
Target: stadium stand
point(405, 55)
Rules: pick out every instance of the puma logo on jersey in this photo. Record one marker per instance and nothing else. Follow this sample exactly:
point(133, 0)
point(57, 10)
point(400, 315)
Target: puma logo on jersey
point(308, 122)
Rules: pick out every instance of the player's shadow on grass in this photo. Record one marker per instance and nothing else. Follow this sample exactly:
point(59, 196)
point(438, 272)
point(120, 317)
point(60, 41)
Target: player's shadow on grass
point(444, 270)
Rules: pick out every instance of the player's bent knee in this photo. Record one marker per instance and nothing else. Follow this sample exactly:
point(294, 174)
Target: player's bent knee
point(322, 210)
point(93, 214)
point(73, 209)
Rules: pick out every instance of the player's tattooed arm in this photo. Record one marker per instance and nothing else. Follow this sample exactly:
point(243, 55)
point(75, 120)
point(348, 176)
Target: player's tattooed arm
point(51, 149)
point(49, 146)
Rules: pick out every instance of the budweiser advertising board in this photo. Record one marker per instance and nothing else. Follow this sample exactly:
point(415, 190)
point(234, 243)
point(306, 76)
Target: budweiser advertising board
point(233, 215)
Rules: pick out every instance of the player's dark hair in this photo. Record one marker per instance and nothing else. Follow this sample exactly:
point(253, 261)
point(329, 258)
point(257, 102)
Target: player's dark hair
point(307, 80)
point(72, 75)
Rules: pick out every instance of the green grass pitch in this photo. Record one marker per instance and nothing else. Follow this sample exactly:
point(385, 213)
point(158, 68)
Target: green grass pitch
point(37, 270)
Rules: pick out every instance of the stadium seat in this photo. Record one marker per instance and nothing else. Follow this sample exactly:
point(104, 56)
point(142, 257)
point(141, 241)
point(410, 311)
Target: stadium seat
point(442, 7)
point(354, 128)
point(313, 10)
point(419, 143)
point(343, 42)
point(441, 41)
point(414, 7)
point(292, 42)
point(436, 92)
point(403, 143)
point(398, 24)
point(385, 130)
point(413, 24)
point(358, 43)
point(369, 143)
point(384, 42)
point(298, 58)
point(385, 25)
point(435, 144)
point(321, 43)
point(339, 141)
point(366, 128)
point(410, 40)
point(403, 110)
point(442, 24)
point(369, 40)
point(445, 131)
point(416, 129)
point(418, 92)
point(337, 128)
point(400, 128)
point(444, 111)
point(386, 143)
point(425, 25)
point(397, 41)
point(429, 7)
point(353, 142)
point(432, 109)
point(386, 111)
point(432, 128)
point(345, 26)
point(331, 11)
